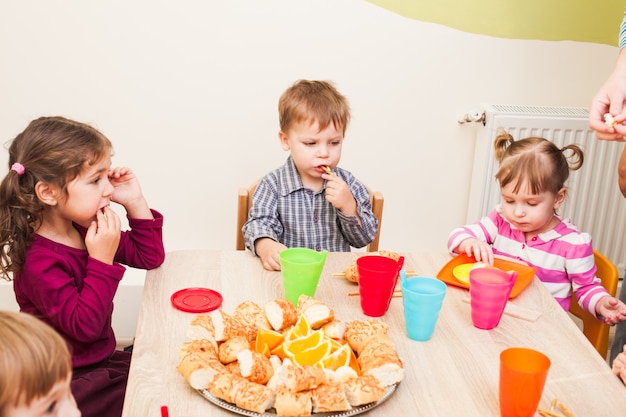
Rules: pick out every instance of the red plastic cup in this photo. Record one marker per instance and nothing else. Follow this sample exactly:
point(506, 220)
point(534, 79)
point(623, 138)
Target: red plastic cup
point(378, 276)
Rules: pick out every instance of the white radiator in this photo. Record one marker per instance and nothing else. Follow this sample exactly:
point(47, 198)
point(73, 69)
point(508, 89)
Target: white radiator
point(594, 202)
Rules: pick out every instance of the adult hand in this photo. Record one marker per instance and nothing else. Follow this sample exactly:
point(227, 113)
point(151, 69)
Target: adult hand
point(619, 365)
point(611, 98)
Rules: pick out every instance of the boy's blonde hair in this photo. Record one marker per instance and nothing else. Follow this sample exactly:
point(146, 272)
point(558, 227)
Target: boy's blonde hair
point(535, 161)
point(33, 358)
point(313, 101)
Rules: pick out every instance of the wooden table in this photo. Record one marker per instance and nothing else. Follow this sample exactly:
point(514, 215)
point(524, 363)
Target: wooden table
point(453, 374)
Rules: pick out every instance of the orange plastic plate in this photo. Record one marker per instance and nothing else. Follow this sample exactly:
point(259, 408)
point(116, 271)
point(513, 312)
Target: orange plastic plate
point(525, 273)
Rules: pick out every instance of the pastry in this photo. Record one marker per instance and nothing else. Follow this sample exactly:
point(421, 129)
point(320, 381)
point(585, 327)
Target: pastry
point(359, 331)
point(292, 404)
point(254, 397)
point(199, 370)
point(301, 378)
point(201, 327)
point(251, 313)
point(255, 366)
point(379, 359)
point(228, 350)
point(335, 329)
point(209, 347)
point(329, 397)
point(363, 390)
point(281, 314)
point(316, 312)
point(225, 386)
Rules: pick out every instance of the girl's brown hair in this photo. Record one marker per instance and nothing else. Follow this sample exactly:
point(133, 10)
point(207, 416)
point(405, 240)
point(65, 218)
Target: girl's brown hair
point(536, 162)
point(313, 101)
point(33, 358)
point(53, 150)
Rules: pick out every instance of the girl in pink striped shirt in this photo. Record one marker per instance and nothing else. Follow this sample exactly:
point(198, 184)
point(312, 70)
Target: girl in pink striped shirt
point(525, 226)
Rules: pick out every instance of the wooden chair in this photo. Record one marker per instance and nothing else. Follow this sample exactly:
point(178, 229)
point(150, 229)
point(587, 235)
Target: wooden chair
point(596, 332)
point(244, 203)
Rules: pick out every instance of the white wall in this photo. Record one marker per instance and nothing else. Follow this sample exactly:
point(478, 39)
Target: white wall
point(187, 91)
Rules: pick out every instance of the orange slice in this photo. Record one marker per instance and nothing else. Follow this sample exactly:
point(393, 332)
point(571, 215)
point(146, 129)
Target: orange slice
point(340, 357)
point(303, 343)
point(300, 329)
point(334, 344)
point(312, 355)
point(266, 337)
point(279, 351)
point(354, 364)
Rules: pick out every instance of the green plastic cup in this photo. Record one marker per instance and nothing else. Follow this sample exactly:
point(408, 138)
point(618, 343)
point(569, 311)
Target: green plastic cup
point(301, 269)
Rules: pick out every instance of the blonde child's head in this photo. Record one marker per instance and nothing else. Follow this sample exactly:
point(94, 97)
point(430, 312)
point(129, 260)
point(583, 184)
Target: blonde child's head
point(53, 150)
point(313, 101)
point(33, 358)
point(535, 162)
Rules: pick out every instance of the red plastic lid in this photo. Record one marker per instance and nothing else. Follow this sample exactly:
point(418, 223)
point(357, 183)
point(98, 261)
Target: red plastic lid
point(197, 300)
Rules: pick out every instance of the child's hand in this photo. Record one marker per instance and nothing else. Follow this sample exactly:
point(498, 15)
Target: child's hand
point(269, 251)
point(338, 194)
point(611, 309)
point(128, 193)
point(103, 236)
point(619, 365)
point(481, 251)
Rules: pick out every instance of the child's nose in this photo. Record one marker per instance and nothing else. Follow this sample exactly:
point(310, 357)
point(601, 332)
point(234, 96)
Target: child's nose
point(322, 150)
point(108, 191)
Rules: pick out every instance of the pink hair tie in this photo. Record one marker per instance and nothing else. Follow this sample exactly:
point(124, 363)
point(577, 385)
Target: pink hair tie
point(17, 167)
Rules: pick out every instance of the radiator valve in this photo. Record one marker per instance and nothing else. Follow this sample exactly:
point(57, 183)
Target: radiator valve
point(475, 117)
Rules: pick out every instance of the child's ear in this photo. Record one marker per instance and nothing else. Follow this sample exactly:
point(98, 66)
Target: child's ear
point(284, 140)
point(560, 197)
point(47, 193)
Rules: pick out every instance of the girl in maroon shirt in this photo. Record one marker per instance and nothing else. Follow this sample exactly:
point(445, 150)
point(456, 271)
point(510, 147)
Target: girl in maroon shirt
point(64, 248)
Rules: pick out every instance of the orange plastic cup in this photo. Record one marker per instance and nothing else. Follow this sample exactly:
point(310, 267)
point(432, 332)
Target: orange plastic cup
point(523, 375)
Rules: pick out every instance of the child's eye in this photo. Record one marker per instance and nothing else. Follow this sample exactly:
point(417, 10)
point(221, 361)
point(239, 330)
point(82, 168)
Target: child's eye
point(51, 408)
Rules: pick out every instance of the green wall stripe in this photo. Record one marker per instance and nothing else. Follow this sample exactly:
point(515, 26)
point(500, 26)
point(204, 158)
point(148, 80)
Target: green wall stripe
point(595, 21)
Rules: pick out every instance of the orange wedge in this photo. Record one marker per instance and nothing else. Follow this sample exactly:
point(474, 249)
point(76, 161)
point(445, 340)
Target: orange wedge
point(300, 329)
point(312, 355)
point(334, 344)
point(267, 337)
point(279, 351)
point(295, 346)
point(354, 364)
point(340, 357)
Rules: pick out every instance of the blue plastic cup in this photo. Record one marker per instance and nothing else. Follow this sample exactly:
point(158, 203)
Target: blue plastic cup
point(422, 298)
